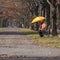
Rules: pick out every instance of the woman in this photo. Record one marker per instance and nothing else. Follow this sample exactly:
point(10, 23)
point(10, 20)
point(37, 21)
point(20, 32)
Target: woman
point(42, 28)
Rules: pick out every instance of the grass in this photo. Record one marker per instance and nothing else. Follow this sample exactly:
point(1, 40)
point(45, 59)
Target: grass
point(1, 29)
point(53, 42)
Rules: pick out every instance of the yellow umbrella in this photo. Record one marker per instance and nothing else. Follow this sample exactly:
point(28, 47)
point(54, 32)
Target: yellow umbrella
point(37, 19)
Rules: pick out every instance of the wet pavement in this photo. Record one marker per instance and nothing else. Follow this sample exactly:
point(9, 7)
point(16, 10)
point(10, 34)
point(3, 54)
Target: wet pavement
point(14, 45)
point(31, 58)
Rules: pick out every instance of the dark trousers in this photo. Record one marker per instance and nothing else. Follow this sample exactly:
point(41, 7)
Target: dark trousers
point(41, 33)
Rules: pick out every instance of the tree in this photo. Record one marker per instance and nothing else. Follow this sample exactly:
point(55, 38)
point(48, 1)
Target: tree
point(53, 4)
point(54, 30)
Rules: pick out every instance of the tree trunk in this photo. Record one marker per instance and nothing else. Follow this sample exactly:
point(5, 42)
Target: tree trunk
point(54, 29)
point(48, 15)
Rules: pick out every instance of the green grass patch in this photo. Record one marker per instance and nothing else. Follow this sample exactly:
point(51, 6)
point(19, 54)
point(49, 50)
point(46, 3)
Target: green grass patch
point(1, 29)
point(28, 31)
point(50, 41)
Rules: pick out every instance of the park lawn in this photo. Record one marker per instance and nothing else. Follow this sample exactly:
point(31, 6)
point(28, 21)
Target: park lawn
point(1, 29)
point(53, 42)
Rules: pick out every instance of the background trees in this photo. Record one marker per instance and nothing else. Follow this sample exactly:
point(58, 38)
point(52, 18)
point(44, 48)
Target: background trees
point(23, 11)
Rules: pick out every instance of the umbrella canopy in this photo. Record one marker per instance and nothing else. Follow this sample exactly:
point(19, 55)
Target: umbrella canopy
point(37, 19)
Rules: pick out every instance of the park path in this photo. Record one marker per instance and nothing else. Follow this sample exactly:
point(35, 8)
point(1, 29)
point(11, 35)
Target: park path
point(14, 42)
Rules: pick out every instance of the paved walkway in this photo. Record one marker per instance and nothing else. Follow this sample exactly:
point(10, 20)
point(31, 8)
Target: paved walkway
point(14, 42)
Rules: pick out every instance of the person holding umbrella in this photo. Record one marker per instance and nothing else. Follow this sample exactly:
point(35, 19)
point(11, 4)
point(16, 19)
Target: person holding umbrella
point(42, 25)
point(42, 28)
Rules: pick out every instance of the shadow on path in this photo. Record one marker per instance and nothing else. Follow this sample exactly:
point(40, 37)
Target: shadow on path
point(11, 33)
point(30, 58)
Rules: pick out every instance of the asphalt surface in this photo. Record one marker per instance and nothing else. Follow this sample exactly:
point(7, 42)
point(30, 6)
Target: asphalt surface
point(17, 46)
point(31, 58)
